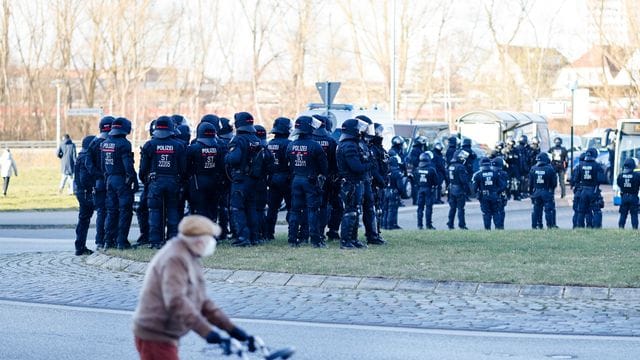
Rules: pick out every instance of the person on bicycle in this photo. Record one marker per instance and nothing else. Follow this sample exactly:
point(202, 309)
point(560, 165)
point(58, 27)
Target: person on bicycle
point(173, 299)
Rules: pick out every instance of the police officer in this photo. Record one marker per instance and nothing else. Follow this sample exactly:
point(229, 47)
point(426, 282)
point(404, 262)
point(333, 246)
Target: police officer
point(452, 147)
point(162, 166)
point(280, 182)
point(353, 166)
point(577, 191)
point(629, 183)
point(243, 162)
point(331, 208)
point(412, 160)
point(142, 212)
point(83, 183)
point(182, 133)
point(497, 150)
point(309, 169)
point(558, 155)
point(542, 184)
point(261, 188)
point(458, 188)
point(489, 185)
point(514, 168)
point(497, 164)
point(427, 182)
point(589, 175)
point(225, 134)
point(440, 165)
point(398, 145)
point(468, 164)
point(534, 151)
point(122, 183)
point(392, 195)
point(524, 150)
point(205, 168)
point(368, 202)
point(379, 172)
point(94, 166)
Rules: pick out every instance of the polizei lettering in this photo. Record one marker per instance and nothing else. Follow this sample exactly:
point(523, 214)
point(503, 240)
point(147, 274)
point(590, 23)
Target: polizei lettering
point(165, 152)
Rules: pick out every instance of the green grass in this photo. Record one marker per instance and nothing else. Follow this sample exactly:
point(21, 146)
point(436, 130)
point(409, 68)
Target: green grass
point(557, 257)
point(36, 188)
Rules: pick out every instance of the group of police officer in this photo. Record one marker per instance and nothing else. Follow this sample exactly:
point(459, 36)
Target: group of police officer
point(240, 180)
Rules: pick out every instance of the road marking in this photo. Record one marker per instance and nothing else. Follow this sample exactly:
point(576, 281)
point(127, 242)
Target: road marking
point(396, 329)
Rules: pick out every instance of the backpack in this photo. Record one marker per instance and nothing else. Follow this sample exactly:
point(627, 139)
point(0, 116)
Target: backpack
point(257, 165)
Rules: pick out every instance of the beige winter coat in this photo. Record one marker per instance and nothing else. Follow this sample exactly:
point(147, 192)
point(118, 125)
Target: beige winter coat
point(173, 298)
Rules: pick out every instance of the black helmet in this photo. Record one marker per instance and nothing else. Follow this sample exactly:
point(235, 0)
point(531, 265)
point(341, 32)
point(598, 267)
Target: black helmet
point(420, 140)
point(498, 163)
point(261, 133)
point(453, 141)
point(183, 132)
point(461, 155)
point(591, 154)
point(152, 126)
point(364, 118)
point(424, 159)
point(437, 147)
point(535, 141)
point(303, 125)
point(397, 140)
point(485, 162)
point(511, 141)
point(206, 133)
point(627, 168)
point(500, 145)
point(321, 130)
point(282, 126)
point(523, 140)
point(378, 129)
point(466, 142)
point(543, 158)
point(120, 126)
point(243, 121)
point(350, 128)
point(557, 141)
point(163, 128)
point(211, 119)
point(177, 120)
point(105, 123)
point(87, 141)
point(226, 130)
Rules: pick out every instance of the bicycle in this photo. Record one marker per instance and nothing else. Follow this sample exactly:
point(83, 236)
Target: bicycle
point(258, 349)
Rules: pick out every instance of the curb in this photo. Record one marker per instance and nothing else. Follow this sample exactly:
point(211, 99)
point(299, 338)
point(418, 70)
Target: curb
point(249, 277)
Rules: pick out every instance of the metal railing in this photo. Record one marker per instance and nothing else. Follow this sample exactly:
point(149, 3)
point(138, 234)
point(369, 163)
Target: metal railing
point(29, 144)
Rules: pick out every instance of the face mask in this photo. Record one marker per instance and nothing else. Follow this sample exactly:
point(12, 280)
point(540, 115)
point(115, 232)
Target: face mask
point(210, 248)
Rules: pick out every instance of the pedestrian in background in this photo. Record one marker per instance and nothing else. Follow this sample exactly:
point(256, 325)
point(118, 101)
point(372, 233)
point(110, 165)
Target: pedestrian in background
point(67, 155)
point(6, 165)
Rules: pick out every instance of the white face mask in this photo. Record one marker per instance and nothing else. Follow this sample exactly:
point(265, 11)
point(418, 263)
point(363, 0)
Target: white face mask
point(210, 248)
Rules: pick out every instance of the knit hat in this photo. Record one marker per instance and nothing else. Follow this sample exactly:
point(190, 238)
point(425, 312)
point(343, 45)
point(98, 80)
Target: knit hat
point(196, 225)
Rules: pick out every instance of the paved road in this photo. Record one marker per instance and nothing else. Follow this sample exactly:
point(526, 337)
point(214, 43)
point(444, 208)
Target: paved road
point(60, 332)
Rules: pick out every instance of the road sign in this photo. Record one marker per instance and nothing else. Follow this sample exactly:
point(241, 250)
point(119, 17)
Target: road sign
point(84, 112)
point(328, 91)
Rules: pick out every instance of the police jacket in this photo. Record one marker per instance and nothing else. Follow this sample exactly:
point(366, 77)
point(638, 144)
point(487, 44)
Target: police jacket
point(395, 179)
point(588, 174)
point(629, 182)
point(243, 149)
point(205, 160)
point(427, 177)
point(306, 158)
point(440, 165)
point(163, 157)
point(82, 178)
point(558, 155)
point(116, 157)
point(381, 163)
point(470, 160)
point(542, 177)
point(413, 159)
point(278, 148)
point(94, 162)
point(449, 153)
point(353, 162)
point(329, 146)
point(487, 181)
point(524, 151)
point(512, 158)
point(458, 179)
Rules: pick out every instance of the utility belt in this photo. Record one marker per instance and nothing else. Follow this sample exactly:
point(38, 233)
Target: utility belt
point(155, 176)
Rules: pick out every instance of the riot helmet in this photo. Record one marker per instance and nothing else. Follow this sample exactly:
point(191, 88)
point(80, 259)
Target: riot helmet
point(243, 121)
point(105, 123)
point(424, 159)
point(226, 130)
point(163, 128)
point(543, 158)
point(206, 133)
point(281, 126)
point(397, 141)
point(523, 140)
point(120, 126)
point(557, 141)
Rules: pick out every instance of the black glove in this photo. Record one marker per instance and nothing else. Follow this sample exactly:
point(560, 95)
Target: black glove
point(213, 338)
point(241, 335)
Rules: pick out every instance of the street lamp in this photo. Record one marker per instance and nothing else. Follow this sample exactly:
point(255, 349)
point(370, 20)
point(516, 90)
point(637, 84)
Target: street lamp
point(574, 86)
point(58, 84)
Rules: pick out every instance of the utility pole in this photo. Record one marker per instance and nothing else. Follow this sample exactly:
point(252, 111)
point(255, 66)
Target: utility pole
point(58, 85)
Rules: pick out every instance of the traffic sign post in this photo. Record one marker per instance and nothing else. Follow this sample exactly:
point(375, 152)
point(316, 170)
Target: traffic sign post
point(328, 91)
point(85, 112)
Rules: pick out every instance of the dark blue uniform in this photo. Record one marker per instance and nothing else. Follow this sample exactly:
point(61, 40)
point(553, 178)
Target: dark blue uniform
point(497, 164)
point(309, 167)
point(162, 165)
point(589, 175)
point(262, 187)
point(94, 166)
point(280, 182)
point(542, 184)
point(379, 173)
point(488, 184)
point(411, 162)
point(514, 163)
point(225, 194)
point(331, 208)
point(392, 196)
point(458, 191)
point(353, 167)
point(440, 164)
point(558, 155)
point(83, 183)
point(427, 177)
point(121, 178)
point(205, 170)
point(629, 183)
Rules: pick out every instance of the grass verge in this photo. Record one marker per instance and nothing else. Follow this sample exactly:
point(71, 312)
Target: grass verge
point(557, 257)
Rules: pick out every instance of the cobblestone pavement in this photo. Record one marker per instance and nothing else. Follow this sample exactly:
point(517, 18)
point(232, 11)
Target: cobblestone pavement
point(61, 278)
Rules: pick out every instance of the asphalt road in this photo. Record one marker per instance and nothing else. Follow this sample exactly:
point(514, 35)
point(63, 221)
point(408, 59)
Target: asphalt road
point(37, 331)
